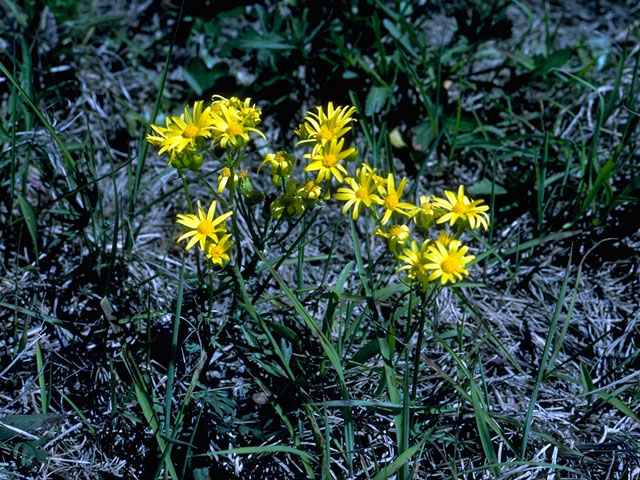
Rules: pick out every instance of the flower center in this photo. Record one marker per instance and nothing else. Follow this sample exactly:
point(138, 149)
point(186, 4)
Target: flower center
point(215, 251)
point(427, 207)
point(329, 160)
point(390, 202)
point(450, 264)
point(288, 201)
point(206, 227)
point(395, 231)
point(234, 129)
point(325, 134)
point(226, 172)
point(459, 208)
point(362, 193)
point(191, 131)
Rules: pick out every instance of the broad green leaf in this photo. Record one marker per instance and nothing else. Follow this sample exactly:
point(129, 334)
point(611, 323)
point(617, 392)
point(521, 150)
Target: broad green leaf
point(201, 78)
point(376, 99)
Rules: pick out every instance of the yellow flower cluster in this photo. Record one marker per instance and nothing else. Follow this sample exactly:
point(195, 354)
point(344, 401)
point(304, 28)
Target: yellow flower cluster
point(209, 232)
point(229, 123)
point(224, 121)
point(324, 132)
point(444, 258)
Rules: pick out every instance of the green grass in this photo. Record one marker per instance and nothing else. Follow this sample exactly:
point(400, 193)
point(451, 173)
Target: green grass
point(308, 356)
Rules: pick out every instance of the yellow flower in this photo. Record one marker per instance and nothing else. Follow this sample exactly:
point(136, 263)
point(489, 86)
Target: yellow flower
point(445, 238)
point(249, 114)
point(396, 236)
point(381, 181)
point(460, 207)
point(415, 262)
point(323, 127)
point(223, 178)
point(228, 126)
point(202, 227)
point(290, 204)
point(327, 161)
point(360, 191)
point(310, 191)
point(425, 212)
point(391, 199)
point(281, 165)
point(183, 132)
point(217, 250)
point(448, 263)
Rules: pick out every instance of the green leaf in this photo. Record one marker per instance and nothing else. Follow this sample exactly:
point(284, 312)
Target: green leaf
point(553, 61)
point(30, 219)
point(264, 449)
point(376, 99)
point(270, 41)
point(366, 352)
point(201, 78)
point(403, 458)
point(483, 187)
point(423, 136)
point(30, 424)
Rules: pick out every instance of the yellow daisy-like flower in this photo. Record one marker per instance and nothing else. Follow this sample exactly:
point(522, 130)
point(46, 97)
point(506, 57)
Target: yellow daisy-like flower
point(202, 227)
point(359, 192)
point(460, 207)
point(229, 127)
point(448, 264)
point(391, 199)
point(324, 127)
point(290, 204)
point(183, 132)
point(327, 161)
point(396, 236)
point(217, 250)
point(310, 191)
point(415, 262)
point(425, 212)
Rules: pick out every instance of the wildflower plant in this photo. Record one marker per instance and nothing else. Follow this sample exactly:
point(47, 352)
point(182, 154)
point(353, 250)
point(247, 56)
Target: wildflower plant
point(424, 238)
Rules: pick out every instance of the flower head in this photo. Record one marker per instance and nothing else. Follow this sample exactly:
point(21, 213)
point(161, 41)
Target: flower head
point(310, 191)
point(448, 263)
point(425, 212)
point(217, 250)
point(459, 207)
point(327, 161)
point(361, 191)
point(202, 227)
point(223, 178)
point(396, 235)
point(445, 238)
point(281, 165)
point(229, 126)
point(391, 199)
point(184, 132)
point(323, 127)
point(290, 204)
point(415, 261)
